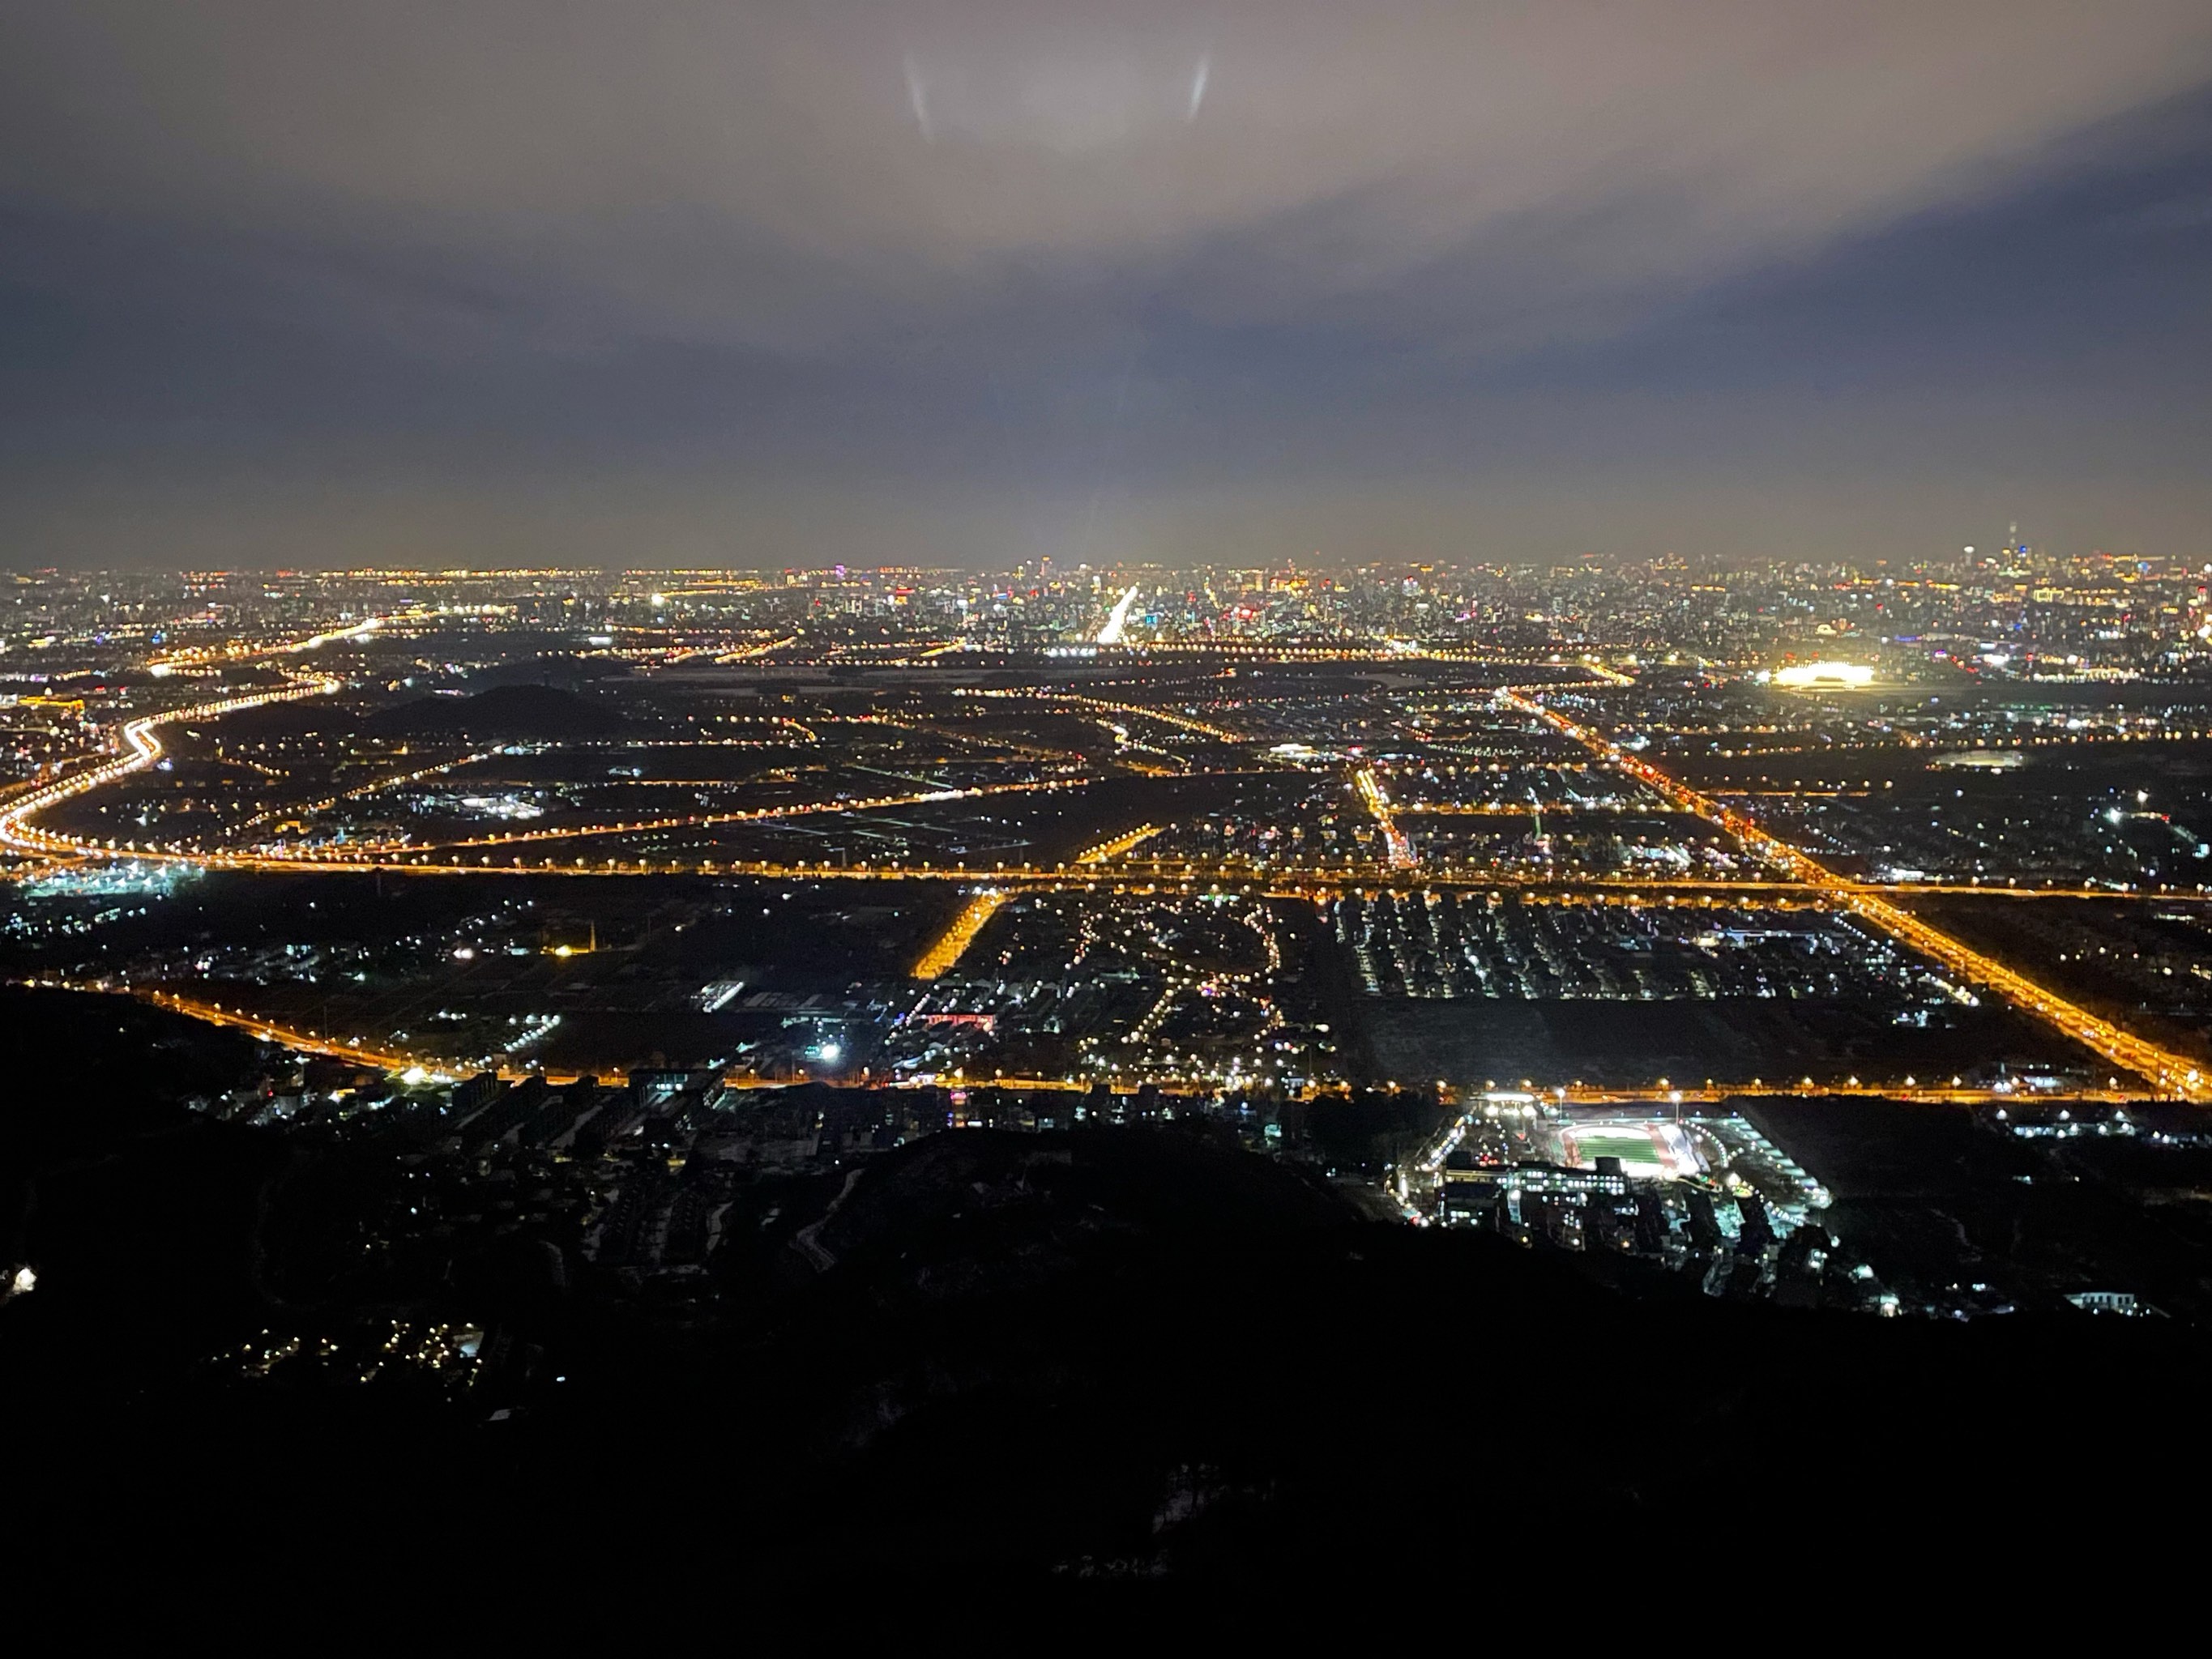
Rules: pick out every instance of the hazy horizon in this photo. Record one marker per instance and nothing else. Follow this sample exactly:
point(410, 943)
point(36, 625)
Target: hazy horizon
point(970, 284)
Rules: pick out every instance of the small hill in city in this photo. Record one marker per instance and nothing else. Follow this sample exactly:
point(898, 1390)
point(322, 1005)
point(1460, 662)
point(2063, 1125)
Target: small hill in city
point(504, 711)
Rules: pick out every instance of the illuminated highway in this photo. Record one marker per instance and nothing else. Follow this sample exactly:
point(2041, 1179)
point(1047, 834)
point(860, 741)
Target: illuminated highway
point(948, 947)
point(1659, 1093)
point(141, 740)
point(2168, 1072)
point(288, 1036)
point(756, 815)
point(1108, 865)
point(1108, 852)
point(753, 651)
point(1118, 618)
point(1138, 711)
point(1397, 849)
point(140, 736)
point(1664, 1094)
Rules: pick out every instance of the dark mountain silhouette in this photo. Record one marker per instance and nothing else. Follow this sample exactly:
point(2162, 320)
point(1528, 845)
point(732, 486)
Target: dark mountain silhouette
point(565, 668)
point(995, 1363)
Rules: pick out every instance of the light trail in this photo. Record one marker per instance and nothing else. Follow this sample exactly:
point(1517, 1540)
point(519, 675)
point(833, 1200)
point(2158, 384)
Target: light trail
point(1133, 876)
point(1399, 850)
point(756, 815)
point(1117, 619)
point(1107, 851)
point(305, 1042)
point(1166, 716)
point(288, 1036)
point(1885, 747)
point(1168, 765)
point(1712, 1094)
point(1284, 881)
point(2168, 1072)
point(2133, 895)
point(1492, 809)
point(949, 946)
point(203, 656)
point(140, 737)
point(969, 739)
point(752, 652)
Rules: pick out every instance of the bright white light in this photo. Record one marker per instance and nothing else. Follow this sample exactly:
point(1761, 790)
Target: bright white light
point(830, 1052)
point(1846, 674)
point(25, 1282)
point(1117, 618)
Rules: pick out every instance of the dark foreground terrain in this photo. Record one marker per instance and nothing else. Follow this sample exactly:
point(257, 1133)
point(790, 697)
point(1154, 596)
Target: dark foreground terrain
point(1120, 1364)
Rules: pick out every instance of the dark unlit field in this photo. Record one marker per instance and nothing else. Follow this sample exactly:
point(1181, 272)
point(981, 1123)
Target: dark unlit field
point(1629, 1044)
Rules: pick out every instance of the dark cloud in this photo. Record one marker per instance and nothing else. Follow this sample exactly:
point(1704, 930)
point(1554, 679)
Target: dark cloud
point(960, 278)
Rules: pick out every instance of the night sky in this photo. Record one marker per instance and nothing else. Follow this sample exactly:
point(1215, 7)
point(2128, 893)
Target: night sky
point(952, 282)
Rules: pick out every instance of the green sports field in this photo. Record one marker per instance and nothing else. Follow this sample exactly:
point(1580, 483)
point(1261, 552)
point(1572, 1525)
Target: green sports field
point(1632, 1149)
